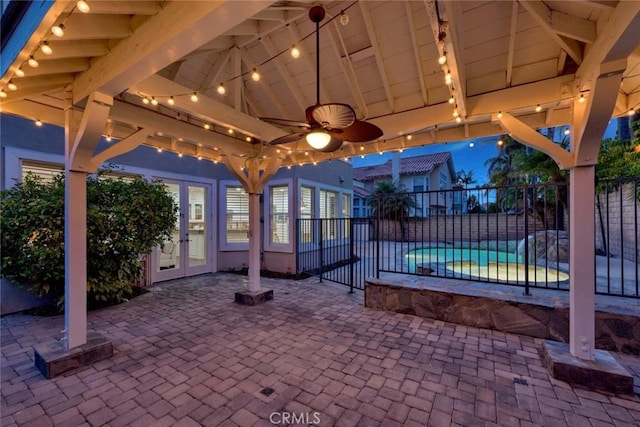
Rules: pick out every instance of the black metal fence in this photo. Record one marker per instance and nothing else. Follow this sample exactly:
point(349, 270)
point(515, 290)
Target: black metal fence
point(516, 235)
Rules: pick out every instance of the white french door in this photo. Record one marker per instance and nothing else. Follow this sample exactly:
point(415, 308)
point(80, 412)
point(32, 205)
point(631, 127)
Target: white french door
point(190, 249)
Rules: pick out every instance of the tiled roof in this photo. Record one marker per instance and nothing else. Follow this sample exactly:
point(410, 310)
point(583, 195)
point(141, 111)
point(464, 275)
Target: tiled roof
point(360, 191)
point(408, 166)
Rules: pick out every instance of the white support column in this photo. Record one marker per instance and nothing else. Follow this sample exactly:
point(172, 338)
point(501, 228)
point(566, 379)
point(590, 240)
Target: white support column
point(582, 262)
point(254, 242)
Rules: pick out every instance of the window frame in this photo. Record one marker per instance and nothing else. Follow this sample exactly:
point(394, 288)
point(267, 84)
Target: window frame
point(268, 245)
point(222, 215)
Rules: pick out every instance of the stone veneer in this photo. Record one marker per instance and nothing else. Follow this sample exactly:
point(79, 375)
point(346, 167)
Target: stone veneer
point(535, 317)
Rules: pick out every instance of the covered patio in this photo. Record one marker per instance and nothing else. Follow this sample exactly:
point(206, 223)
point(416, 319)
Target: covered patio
point(187, 356)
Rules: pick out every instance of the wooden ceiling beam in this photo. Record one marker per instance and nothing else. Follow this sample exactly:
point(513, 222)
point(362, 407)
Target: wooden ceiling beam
point(88, 26)
point(213, 75)
point(307, 59)
point(180, 28)
point(121, 7)
point(453, 45)
point(573, 27)
point(416, 53)
point(271, 94)
point(512, 42)
point(284, 73)
point(74, 49)
point(58, 66)
point(366, 17)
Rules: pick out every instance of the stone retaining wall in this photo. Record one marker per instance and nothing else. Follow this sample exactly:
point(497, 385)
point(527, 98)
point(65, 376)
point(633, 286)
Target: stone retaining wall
point(614, 332)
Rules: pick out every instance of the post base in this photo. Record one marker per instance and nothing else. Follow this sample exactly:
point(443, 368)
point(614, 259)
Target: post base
point(603, 373)
point(53, 358)
point(254, 298)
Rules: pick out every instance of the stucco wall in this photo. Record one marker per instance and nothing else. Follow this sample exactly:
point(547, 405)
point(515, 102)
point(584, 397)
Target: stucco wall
point(617, 222)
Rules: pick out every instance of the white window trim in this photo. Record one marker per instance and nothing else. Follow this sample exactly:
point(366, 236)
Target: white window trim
point(222, 221)
point(279, 247)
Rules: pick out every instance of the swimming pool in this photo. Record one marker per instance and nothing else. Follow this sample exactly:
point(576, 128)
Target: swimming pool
point(481, 263)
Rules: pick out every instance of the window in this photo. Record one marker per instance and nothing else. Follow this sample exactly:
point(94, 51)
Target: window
point(279, 214)
point(307, 209)
point(328, 204)
point(45, 171)
point(237, 215)
point(418, 184)
point(346, 205)
point(443, 181)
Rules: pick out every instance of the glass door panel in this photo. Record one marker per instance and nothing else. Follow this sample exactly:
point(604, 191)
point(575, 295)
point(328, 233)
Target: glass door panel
point(198, 225)
point(169, 259)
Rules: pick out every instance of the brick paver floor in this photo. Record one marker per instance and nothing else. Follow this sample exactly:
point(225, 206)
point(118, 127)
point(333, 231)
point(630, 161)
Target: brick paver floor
point(186, 355)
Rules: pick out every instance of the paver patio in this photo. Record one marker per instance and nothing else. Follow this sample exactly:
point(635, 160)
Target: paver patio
point(185, 354)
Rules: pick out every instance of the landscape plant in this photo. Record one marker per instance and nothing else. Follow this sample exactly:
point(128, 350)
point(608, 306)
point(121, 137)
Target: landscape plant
point(126, 218)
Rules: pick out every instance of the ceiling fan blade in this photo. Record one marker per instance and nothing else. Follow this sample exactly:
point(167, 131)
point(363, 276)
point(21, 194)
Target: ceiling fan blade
point(361, 131)
point(333, 145)
point(287, 138)
point(331, 116)
point(284, 122)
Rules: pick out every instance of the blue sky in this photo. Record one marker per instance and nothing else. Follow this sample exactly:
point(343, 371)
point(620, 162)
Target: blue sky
point(464, 156)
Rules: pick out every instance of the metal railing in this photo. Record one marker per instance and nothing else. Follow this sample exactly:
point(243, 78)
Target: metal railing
point(512, 235)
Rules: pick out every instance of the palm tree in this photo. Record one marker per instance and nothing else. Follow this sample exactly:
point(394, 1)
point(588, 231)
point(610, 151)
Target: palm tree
point(390, 200)
point(465, 178)
point(501, 167)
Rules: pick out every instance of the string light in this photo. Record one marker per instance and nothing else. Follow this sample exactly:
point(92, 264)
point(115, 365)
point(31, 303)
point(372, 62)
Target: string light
point(83, 6)
point(442, 59)
point(472, 144)
point(11, 85)
point(145, 100)
point(362, 157)
point(499, 114)
point(194, 97)
point(255, 75)
point(154, 102)
point(500, 142)
point(631, 112)
point(455, 113)
point(538, 108)
point(171, 101)
point(33, 63)
point(19, 73)
point(108, 138)
point(409, 137)
point(179, 154)
point(452, 100)
point(3, 94)
point(448, 78)
point(458, 119)
point(46, 49)
point(582, 98)
point(159, 150)
point(207, 126)
point(361, 147)
point(199, 157)
point(38, 123)
point(58, 30)
point(295, 52)
point(344, 18)
point(248, 139)
point(221, 89)
point(567, 131)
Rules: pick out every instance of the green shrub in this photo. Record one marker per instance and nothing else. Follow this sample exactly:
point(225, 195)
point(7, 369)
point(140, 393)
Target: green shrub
point(125, 219)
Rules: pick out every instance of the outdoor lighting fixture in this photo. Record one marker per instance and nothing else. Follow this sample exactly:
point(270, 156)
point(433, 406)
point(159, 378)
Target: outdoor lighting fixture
point(145, 100)
point(33, 63)
point(248, 139)
point(83, 6)
point(179, 154)
point(455, 113)
point(567, 131)
point(295, 52)
point(194, 97)
point(159, 150)
point(3, 94)
point(207, 126)
point(500, 142)
point(442, 59)
point(409, 137)
point(154, 101)
point(108, 138)
point(19, 72)
point(582, 99)
point(58, 30)
point(38, 123)
point(631, 112)
point(318, 138)
point(458, 119)
point(538, 108)
point(46, 49)
point(12, 86)
point(344, 18)
point(471, 145)
point(230, 131)
point(448, 78)
point(452, 100)
point(221, 89)
point(171, 101)
point(499, 114)
point(255, 75)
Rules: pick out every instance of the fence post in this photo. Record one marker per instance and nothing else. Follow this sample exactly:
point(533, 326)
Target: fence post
point(378, 238)
point(526, 239)
point(351, 253)
point(321, 247)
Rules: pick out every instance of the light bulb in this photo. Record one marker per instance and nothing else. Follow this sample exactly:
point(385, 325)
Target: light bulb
point(458, 119)
point(221, 89)
point(318, 138)
point(255, 75)
point(362, 157)
point(455, 113)
point(38, 123)
point(12, 86)
point(409, 137)
point(380, 152)
point(145, 100)
point(215, 162)
point(207, 126)
point(108, 138)
point(33, 63)
point(3, 94)
point(295, 52)
point(362, 148)
point(194, 97)
point(442, 59)
point(58, 30)
point(471, 144)
point(567, 131)
point(179, 154)
point(83, 6)
point(448, 78)
point(248, 139)
point(631, 112)
point(19, 73)
point(159, 150)
point(171, 101)
point(46, 49)
point(538, 108)
point(199, 157)
point(154, 101)
point(499, 114)
point(401, 150)
point(230, 131)
point(344, 18)
point(452, 100)
point(500, 142)
point(582, 98)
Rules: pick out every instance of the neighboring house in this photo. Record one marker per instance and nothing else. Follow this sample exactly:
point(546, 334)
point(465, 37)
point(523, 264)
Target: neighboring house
point(429, 172)
point(360, 196)
point(211, 233)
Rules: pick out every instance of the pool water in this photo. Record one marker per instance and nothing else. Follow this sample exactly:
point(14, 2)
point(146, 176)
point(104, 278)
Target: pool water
point(445, 255)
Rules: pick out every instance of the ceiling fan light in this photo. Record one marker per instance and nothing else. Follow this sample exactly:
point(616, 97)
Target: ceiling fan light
point(318, 139)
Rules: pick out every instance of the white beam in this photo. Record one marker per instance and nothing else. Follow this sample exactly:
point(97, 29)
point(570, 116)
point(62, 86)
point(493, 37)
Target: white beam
point(213, 76)
point(122, 7)
point(177, 30)
point(89, 133)
point(284, 73)
point(35, 86)
point(366, 17)
point(73, 49)
point(271, 94)
point(416, 53)
point(59, 66)
point(89, 26)
point(125, 145)
point(307, 59)
point(237, 82)
point(528, 136)
point(453, 44)
point(542, 15)
point(573, 27)
point(512, 41)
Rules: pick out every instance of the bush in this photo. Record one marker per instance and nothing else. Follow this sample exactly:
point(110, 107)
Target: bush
point(125, 219)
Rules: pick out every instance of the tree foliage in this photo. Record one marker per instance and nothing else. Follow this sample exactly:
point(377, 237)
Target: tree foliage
point(390, 200)
point(465, 178)
point(125, 219)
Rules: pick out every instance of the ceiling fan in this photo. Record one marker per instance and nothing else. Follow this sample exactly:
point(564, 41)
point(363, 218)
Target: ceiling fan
point(328, 126)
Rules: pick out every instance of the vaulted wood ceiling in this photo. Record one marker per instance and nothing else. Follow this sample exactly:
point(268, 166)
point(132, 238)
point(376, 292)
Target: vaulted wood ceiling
point(502, 56)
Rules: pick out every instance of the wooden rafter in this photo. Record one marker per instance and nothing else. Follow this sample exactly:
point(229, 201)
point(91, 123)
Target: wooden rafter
point(366, 17)
point(284, 73)
point(122, 8)
point(271, 94)
point(416, 54)
point(307, 59)
point(238, 82)
point(213, 75)
point(512, 41)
